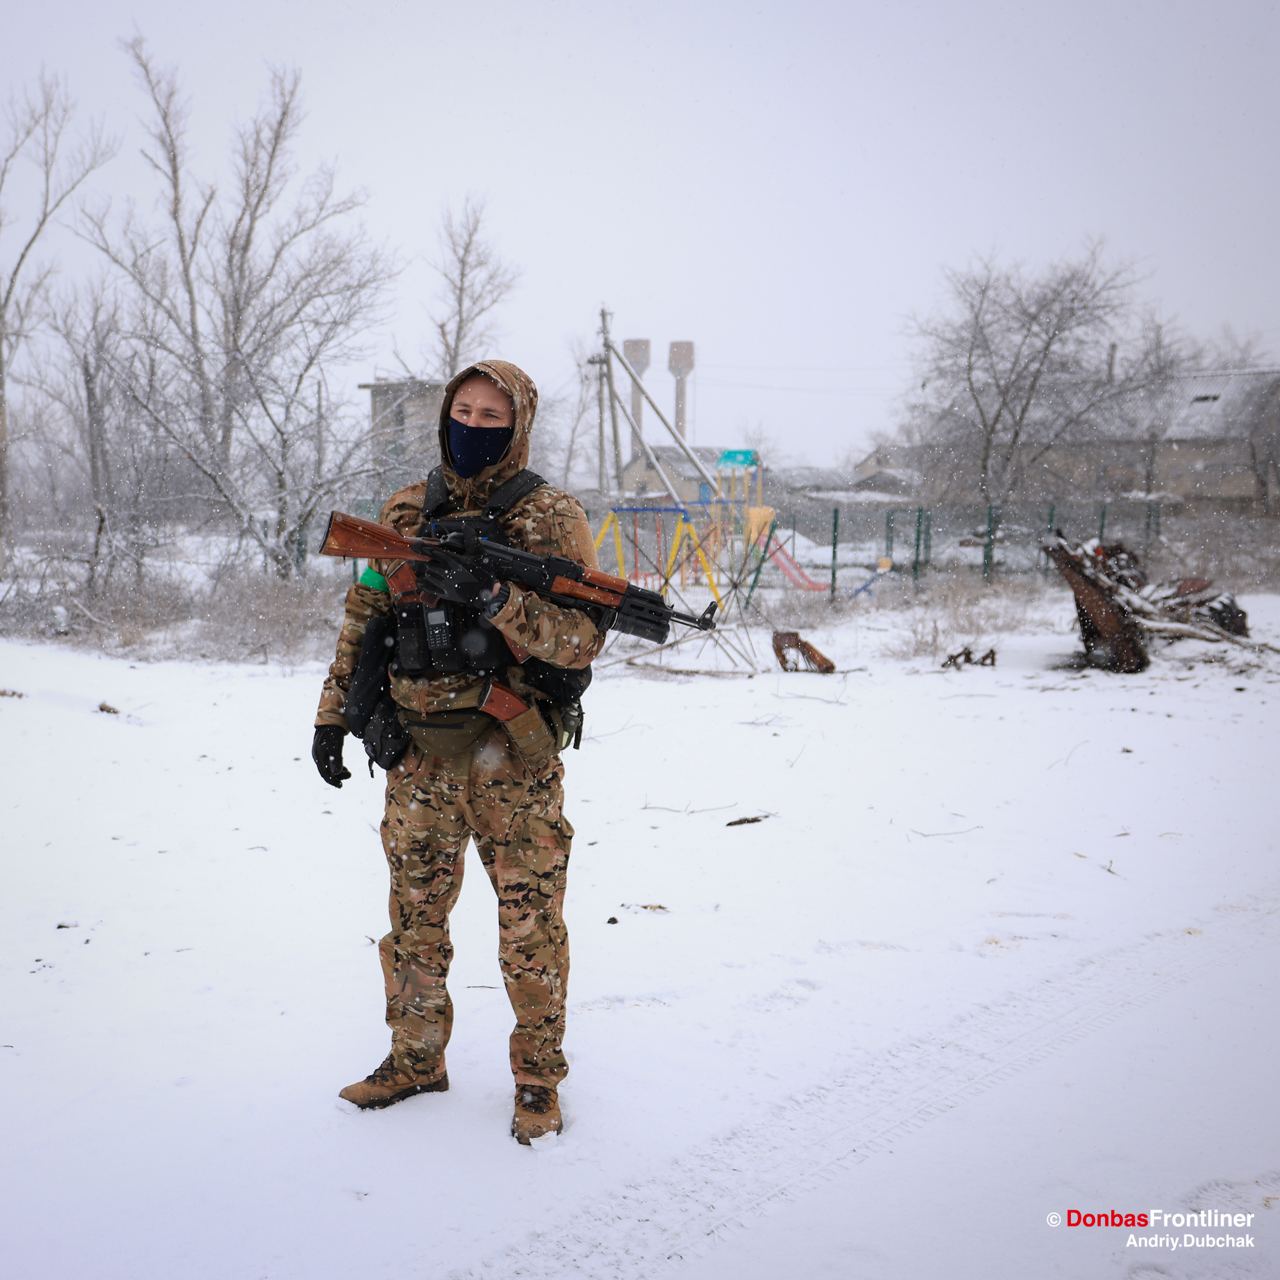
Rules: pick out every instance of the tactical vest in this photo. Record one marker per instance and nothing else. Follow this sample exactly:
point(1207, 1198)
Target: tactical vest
point(439, 637)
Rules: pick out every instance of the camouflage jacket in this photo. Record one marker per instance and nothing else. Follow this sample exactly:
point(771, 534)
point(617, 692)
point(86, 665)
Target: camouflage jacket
point(547, 521)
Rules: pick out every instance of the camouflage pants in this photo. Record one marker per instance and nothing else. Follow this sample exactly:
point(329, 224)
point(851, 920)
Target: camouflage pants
point(434, 806)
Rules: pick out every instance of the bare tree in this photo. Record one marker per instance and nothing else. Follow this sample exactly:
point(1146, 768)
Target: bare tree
point(118, 469)
point(1018, 364)
point(1165, 352)
point(237, 303)
point(1232, 350)
point(39, 134)
point(571, 410)
point(476, 281)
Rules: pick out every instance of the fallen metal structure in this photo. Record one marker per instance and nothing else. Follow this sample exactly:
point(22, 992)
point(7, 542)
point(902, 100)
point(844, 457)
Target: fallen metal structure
point(796, 654)
point(1119, 610)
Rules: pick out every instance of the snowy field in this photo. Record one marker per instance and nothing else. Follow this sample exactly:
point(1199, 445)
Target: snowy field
point(1003, 945)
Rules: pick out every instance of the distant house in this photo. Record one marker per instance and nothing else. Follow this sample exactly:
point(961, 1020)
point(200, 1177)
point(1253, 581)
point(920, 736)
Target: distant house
point(785, 486)
point(1200, 437)
point(640, 480)
point(803, 479)
point(885, 473)
point(404, 417)
point(1210, 438)
point(791, 488)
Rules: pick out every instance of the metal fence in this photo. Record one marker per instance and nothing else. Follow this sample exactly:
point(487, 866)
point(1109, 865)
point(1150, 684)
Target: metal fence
point(826, 542)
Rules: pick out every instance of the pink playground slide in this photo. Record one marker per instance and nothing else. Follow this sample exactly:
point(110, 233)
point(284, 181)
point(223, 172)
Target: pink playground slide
point(794, 573)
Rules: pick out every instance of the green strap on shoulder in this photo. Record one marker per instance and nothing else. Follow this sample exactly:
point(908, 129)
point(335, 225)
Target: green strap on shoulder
point(374, 580)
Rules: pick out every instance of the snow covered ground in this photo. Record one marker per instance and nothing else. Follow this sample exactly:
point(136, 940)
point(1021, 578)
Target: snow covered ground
point(1003, 945)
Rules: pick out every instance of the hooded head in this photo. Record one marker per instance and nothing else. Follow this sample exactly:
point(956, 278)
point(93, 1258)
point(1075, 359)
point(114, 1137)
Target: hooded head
point(518, 387)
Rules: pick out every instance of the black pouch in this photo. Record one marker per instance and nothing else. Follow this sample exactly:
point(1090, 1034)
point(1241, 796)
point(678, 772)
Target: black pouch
point(369, 681)
point(385, 738)
point(369, 710)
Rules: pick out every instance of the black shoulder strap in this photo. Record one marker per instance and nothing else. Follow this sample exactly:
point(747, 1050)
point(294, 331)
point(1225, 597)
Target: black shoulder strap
point(437, 494)
point(507, 494)
point(501, 500)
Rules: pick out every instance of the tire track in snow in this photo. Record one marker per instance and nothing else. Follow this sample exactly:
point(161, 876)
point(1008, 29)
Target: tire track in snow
point(876, 1100)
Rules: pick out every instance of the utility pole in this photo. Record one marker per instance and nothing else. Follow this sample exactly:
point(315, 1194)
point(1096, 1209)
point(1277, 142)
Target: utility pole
point(651, 457)
point(613, 406)
point(677, 439)
point(601, 479)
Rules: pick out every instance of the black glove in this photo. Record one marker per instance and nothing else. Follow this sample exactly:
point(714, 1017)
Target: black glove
point(452, 575)
point(326, 751)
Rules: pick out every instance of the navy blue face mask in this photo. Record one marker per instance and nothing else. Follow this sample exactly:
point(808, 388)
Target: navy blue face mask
point(471, 449)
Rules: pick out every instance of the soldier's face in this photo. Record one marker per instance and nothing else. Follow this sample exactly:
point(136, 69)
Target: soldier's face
point(480, 403)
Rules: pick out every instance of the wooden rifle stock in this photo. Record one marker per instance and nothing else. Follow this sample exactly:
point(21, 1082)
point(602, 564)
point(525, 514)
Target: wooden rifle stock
point(351, 537)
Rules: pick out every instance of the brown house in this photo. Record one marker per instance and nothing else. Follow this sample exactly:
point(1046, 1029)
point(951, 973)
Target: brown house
point(1211, 437)
point(1200, 437)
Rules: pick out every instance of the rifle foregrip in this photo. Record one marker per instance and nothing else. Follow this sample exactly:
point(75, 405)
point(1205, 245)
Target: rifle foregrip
point(581, 591)
point(598, 578)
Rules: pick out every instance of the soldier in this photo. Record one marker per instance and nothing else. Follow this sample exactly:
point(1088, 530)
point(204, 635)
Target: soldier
point(466, 775)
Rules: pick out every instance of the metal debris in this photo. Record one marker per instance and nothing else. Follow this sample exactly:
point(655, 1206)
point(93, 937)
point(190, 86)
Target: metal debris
point(1119, 610)
point(795, 654)
point(965, 655)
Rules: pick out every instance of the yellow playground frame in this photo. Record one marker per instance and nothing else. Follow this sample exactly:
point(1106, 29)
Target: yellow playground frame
point(686, 533)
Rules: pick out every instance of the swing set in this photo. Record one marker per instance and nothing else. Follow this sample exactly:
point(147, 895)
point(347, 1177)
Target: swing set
point(685, 554)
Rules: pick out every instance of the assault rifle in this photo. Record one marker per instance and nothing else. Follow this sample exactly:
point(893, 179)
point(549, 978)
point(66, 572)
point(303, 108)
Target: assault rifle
point(625, 607)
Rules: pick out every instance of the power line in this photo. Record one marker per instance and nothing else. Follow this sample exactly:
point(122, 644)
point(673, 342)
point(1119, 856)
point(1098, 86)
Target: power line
point(824, 391)
point(790, 368)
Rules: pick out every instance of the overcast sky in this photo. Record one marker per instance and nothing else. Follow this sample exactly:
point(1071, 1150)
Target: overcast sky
point(782, 183)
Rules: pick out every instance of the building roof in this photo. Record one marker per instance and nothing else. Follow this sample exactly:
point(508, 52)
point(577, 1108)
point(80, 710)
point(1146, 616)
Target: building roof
point(804, 478)
point(674, 462)
point(1229, 404)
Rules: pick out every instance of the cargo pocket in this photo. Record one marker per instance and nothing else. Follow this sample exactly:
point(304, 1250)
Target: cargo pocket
point(532, 738)
point(543, 846)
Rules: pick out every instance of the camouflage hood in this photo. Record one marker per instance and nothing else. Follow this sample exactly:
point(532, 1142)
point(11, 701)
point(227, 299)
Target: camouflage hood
point(473, 490)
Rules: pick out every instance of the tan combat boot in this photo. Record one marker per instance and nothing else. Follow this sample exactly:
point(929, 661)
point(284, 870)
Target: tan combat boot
point(389, 1083)
point(537, 1113)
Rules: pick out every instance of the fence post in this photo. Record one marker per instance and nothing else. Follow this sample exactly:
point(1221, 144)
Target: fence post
point(764, 555)
point(1044, 561)
point(835, 543)
point(915, 559)
point(1102, 522)
point(888, 533)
